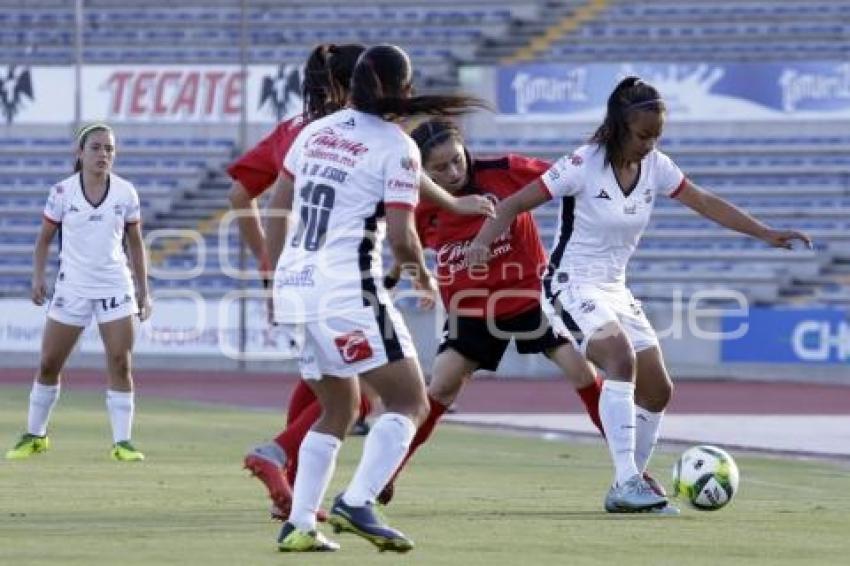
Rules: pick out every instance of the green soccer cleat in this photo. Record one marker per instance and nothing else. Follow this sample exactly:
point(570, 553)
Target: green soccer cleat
point(28, 445)
point(125, 452)
point(295, 540)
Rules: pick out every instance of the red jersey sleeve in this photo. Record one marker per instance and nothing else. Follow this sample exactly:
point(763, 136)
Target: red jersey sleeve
point(426, 223)
point(523, 170)
point(258, 168)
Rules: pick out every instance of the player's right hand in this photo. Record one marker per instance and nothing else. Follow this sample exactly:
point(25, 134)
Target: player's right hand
point(39, 290)
point(427, 287)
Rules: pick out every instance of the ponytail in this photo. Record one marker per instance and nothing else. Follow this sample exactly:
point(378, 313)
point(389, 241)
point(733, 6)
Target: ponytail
point(327, 76)
point(382, 82)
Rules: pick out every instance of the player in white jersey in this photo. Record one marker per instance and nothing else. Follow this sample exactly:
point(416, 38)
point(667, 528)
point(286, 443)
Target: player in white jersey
point(353, 176)
point(93, 210)
point(608, 189)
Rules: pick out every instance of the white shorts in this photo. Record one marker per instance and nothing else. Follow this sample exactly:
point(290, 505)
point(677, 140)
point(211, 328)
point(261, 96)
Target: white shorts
point(73, 310)
point(348, 344)
point(585, 308)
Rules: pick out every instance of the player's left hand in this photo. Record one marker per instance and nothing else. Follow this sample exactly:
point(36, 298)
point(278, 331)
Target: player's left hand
point(145, 306)
point(474, 205)
point(785, 238)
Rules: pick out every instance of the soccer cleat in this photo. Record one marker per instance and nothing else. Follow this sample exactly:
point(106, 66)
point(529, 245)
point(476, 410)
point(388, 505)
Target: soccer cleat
point(654, 484)
point(125, 452)
point(359, 428)
point(28, 445)
point(634, 496)
point(266, 463)
point(291, 539)
point(365, 522)
point(386, 494)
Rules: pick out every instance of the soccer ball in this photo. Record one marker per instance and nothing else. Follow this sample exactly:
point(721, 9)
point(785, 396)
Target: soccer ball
point(706, 476)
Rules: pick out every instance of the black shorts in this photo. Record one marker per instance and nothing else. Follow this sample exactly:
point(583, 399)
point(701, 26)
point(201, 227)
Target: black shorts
point(471, 338)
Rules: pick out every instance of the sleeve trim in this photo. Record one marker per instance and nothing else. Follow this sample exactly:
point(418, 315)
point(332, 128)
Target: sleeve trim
point(679, 188)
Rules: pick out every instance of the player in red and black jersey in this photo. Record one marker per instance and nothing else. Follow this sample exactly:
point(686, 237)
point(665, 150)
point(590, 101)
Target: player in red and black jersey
point(488, 307)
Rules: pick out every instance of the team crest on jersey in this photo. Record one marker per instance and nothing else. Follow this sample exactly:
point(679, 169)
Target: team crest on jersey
point(576, 160)
point(353, 347)
point(587, 306)
point(117, 209)
point(647, 196)
point(59, 189)
point(73, 208)
point(603, 194)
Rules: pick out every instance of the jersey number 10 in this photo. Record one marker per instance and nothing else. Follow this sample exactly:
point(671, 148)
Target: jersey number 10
point(317, 201)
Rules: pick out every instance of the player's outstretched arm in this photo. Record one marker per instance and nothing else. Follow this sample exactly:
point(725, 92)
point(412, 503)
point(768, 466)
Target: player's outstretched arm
point(139, 265)
point(39, 260)
point(530, 197)
point(469, 205)
point(407, 251)
point(727, 214)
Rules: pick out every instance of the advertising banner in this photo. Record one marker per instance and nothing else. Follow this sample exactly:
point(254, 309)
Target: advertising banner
point(698, 91)
point(151, 93)
point(790, 336)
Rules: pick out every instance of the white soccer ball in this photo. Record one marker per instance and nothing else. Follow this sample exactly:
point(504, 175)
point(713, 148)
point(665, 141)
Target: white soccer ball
point(706, 476)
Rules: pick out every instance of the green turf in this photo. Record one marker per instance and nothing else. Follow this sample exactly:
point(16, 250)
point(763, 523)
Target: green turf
point(472, 498)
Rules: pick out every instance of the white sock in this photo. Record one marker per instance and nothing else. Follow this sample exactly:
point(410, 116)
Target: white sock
point(617, 412)
point(647, 424)
point(385, 447)
point(120, 406)
point(42, 400)
point(316, 463)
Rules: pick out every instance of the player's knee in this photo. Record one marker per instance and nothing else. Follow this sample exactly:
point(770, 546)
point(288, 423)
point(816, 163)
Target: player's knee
point(621, 364)
point(120, 364)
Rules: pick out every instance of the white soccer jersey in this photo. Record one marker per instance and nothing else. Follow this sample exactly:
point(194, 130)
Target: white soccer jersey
point(601, 225)
point(92, 263)
point(346, 167)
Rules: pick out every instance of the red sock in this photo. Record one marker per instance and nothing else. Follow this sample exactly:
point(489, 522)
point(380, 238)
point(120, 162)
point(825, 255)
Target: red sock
point(290, 439)
point(365, 407)
point(423, 433)
point(590, 397)
point(301, 398)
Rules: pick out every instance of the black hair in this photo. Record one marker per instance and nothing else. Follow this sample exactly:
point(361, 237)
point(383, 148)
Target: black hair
point(432, 133)
point(83, 135)
point(382, 83)
point(630, 95)
point(327, 77)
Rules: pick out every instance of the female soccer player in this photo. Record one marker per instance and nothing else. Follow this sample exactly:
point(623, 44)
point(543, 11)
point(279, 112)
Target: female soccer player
point(609, 188)
point(486, 310)
point(327, 76)
point(345, 173)
point(95, 209)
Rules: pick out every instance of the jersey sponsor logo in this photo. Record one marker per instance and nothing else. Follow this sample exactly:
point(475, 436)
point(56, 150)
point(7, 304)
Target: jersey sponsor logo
point(95, 218)
point(603, 194)
point(328, 138)
point(397, 185)
point(302, 278)
point(353, 347)
point(630, 208)
point(452, 255)
point(73, 208)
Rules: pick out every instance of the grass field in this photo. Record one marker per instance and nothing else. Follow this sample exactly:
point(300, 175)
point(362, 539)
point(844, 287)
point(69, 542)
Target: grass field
point(471, 498)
